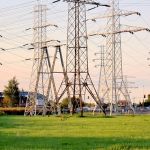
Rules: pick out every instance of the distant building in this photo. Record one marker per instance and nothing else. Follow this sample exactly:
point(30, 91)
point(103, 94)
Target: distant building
point(122, 103)
point(23, 96)
point(1, 98)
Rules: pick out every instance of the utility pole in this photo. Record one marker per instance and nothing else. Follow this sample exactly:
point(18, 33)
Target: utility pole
point(144, 96)
point(39, 88)
point(115, 86)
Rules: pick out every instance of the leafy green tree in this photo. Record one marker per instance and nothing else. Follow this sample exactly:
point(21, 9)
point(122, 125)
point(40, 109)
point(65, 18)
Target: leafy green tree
point(75, 102)
point(148, 98)
point(64, 103)
point(146, 102)
point(11, 92)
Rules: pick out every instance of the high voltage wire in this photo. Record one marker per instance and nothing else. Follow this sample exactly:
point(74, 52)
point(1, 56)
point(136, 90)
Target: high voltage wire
point(20, 5)
point(16, 25)
point(13, 35)
point(16, 22)
point(14, 7)
point(14, 13)
point(135, 3)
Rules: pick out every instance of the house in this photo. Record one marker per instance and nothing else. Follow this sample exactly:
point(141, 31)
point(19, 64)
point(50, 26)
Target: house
point(22, 101)
point(1, 98)
point(23, 96)
point(123, 103)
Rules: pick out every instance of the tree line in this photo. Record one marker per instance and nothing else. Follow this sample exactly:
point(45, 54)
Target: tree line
point(11, 97)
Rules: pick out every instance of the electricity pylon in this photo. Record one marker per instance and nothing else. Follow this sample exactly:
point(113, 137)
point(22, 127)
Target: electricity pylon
point(102, 77)
point(41, 71)
point(77, 68)
point(115, 88)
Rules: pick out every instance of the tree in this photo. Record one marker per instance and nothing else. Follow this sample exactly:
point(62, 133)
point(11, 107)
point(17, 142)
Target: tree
point(146, 103)
point(148, 98)
point(64, 103)
point(75, 102)
point(11, 93)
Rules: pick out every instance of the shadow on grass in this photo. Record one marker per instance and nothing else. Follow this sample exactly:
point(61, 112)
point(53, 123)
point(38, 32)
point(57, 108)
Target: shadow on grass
point(95, 116)
point(9, 142)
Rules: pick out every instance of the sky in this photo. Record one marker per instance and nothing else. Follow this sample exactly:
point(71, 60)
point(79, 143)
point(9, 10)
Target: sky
point(16, 16)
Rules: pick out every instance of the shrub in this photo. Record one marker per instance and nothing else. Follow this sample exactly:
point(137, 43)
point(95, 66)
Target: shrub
point(2, 113)
point(7, 102)
point(13, 110)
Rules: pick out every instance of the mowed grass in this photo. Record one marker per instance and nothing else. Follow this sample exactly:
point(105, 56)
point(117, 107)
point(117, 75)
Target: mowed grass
point(74, 133)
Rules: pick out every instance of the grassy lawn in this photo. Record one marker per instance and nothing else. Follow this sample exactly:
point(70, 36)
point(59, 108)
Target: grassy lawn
point(74, 133)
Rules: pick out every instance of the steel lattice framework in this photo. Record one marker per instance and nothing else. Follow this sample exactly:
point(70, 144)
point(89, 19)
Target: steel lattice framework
point(77, 70)
point(114, 88)
point(41, 76)
point(103, 83)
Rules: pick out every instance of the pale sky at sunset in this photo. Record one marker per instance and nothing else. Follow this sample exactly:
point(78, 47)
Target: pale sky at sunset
point(17, 15)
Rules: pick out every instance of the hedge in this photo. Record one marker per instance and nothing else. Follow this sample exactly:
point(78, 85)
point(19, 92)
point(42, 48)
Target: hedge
point(12, 110)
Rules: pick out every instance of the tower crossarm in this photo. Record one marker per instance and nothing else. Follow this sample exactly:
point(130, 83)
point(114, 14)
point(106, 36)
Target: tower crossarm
point(48, 41)
point(129, 29)
point(132, 29)
point(120, 13)
point(91, 2)
point(128, 13)
point(44, 26)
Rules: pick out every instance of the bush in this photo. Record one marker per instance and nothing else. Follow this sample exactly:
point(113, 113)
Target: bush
point(6, 102)
point(2, 113)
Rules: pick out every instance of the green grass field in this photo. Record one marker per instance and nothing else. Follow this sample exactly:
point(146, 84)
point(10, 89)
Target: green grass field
point(74, 133)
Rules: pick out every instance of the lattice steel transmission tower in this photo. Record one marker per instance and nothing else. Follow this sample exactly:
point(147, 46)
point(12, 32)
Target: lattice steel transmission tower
point(77, 70)
point(115, 88)
point(102, 83)
point(114, 72)
point(39, 89)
